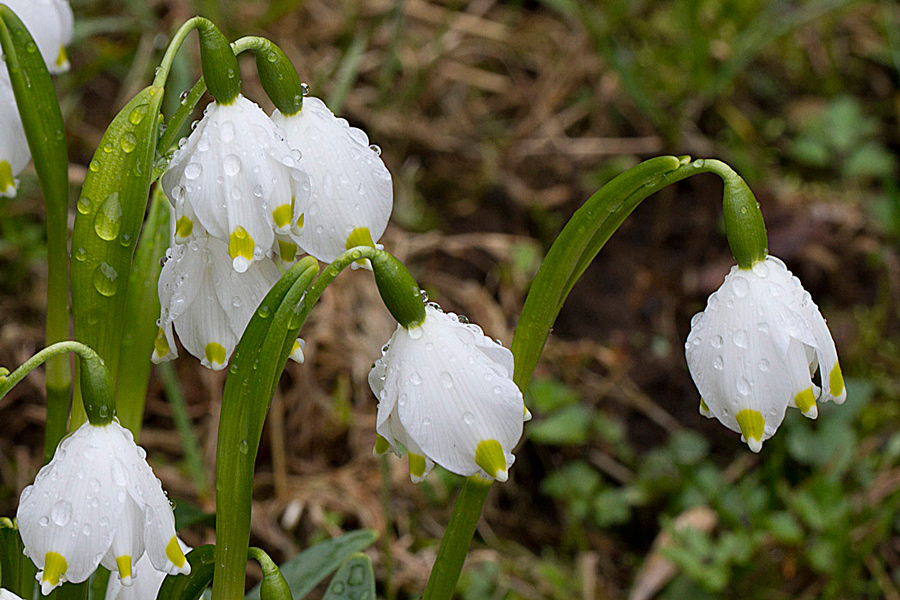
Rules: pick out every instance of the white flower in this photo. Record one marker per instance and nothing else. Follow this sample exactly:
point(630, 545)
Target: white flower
point(350, 186)
point(207, 301)
point(755, 349)
point(239, 179)
point(97, 502)
point(14, 152)
point(146, 584)
point(50, 23)
point(7, 595)
point(445, 393)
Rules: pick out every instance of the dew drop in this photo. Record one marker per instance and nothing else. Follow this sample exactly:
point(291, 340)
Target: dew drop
point(763, 365)
point(105, 280)
point(717, 341)
point(80, 255)
point(44, 521)
point(718, 363)
point(304, 89)
point(741, 286)
point(740, 338)
point(231, 165)
point(244, 447)
point(446, 380)
point(376, 149)
point(61, 512)
point(415, 333)
point(128, 143)
point(109, 218)
point(743, 386)
point(761, 269)
point(84, 205)
point(415, 378)
point(193, 171)
point(469, 418)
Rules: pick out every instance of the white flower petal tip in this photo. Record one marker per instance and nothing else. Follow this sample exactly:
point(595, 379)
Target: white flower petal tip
point(350, 185)
point(97, 502)
point(207, 301)
point(296, 354)
point(145, 583)
point(755, 350)
point(7, 595)
point(50, 23)
point(14, 151)
point(445, 394)
point(237, 179)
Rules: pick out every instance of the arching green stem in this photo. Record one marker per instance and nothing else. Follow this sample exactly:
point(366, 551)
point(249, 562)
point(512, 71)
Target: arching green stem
point(186, 109)
point(95, 379)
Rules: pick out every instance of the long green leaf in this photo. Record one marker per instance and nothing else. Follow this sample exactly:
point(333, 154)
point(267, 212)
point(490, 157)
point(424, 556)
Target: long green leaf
point(141, 307)
point(44, 129)
point(110, 213)
point(354, 581)
point(257, 363)
point(190, 587)
point(309, 568)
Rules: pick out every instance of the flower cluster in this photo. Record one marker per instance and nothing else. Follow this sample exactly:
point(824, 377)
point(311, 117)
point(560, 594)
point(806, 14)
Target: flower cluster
point(756, 349)
point(97, 503)
point(251, 193)
point(50, 22)
point(446, 396)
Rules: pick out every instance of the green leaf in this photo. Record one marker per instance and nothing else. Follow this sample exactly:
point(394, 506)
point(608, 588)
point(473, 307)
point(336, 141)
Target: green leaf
point(42, 120)
point(354, 581)
point(191, 587)
point(109, 217)
point(141, 305)
point(547, 394)
point(306, 570)
point(256, 367)
point(16, 569)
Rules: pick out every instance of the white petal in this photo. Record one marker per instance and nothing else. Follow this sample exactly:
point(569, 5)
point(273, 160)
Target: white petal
point(50, 26)
point(14, 152)
point(73, 507)
point(146, 582)
point(128, 544)
point(235, 171)
point(204, 328)
point(350, 185)
point(239, 294)
point(7, 595)
point(457, 397)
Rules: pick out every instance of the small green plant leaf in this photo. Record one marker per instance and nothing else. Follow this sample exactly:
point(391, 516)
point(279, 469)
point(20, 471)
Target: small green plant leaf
point(354, 581)
point(107, 224)
point(191, 587)
point(306, 570)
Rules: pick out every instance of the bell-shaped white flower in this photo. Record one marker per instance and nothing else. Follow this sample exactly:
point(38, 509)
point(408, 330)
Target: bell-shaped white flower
point(755, 350)
point(350, 186)
point(14, 152)
point(207, 301)
point(239, 179)
point(146, 580)
point(445, 394)
point(97, 502)
point(8, 595)
point(50, 23)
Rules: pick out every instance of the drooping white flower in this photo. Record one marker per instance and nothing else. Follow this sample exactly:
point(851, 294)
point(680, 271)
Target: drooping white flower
point(755, 349)
point(14, 152)
point(146, 580)
point(445, 393)
point(7, 595)
point(50, 23)
point(239, 179)
point(97, 502)
point(207, 301)
point(350, 186)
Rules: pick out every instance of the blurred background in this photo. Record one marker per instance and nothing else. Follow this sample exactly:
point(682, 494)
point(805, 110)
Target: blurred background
point(497, 120)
